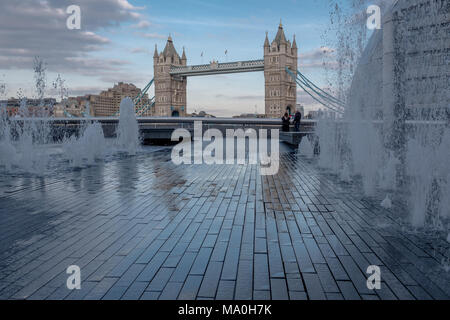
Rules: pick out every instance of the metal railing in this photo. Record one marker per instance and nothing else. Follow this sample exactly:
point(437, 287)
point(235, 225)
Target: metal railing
point(169, 120)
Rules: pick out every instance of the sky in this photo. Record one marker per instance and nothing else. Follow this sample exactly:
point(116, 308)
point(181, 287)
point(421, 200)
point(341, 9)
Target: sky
point(117, 40)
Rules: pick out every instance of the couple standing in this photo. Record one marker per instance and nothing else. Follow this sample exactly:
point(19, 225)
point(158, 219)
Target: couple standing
point(286, 121)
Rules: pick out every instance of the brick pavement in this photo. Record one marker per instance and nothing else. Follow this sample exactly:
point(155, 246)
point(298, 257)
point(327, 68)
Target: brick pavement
point(142, 228)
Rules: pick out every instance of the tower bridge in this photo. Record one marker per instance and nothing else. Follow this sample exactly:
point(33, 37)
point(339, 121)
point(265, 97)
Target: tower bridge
point(171, 72)
point(281, 78)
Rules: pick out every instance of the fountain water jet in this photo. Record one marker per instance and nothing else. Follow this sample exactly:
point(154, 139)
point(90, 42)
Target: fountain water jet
point(90, 146)
point(387, 202)
point(305, 149)
point(128, 139)
point(25, 141)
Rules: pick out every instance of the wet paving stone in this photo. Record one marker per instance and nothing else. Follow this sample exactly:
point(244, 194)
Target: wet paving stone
point(143, 228)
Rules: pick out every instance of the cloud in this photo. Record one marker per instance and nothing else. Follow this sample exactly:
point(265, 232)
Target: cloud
point(153, 35)
point(249, 97)
point(333, 65)
point(211, 23)
point(127, 77)
point(318, 53)
point(140, 50)
point(243, 97)
point(318, 58)
point(77, 91)
point(31, 28)
point(143, 24)
point(90, 67)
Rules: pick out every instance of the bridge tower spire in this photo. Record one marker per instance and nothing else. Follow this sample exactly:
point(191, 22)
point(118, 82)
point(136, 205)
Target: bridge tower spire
point(280, 88)
point(170, 92)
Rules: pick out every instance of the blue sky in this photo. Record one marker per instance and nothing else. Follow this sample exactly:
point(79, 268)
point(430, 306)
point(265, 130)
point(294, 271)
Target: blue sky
point(124, 45)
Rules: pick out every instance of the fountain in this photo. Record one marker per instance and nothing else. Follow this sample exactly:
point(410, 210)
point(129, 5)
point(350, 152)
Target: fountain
point(90, 146)
point(387, 202)
point(128, 139)
point(7, 151)
point(395, 132)
point(87, 111)
point(26, 141)
point(345, 174)
point(305, 148)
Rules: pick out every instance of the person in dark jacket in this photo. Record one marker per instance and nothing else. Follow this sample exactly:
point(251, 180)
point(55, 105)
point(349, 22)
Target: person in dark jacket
point(286, 122)
point(297, 120)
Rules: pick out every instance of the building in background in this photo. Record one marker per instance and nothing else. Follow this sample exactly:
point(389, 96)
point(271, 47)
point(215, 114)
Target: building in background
point(34, 107)
point(315, 114)
point(105, 104)
point(251, 115)
point(73, 106)
point(301, 108)
point(201, 114)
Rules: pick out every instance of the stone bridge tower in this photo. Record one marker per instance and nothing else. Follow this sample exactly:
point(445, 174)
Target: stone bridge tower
point(280, 88)
point(170, 92)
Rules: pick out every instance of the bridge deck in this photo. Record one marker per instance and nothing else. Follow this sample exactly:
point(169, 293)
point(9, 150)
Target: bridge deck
point(142, 228)
point(218, 68)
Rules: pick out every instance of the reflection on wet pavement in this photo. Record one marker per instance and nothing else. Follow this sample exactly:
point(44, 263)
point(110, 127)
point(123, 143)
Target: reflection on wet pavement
point(143, 228)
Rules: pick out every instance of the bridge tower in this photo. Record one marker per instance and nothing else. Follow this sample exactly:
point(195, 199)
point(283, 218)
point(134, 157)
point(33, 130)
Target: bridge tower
point(280, 88)
point(170, 92)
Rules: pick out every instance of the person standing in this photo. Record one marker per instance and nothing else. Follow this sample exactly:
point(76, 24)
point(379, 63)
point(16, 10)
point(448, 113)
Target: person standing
point(297, 120)
point(286, 122)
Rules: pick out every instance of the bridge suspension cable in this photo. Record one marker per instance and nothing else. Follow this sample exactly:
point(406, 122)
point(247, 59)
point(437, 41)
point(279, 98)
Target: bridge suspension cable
point(143, 92)
point(322, 97)
point(326, 94)
point(138, 99)
point(146, 107)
